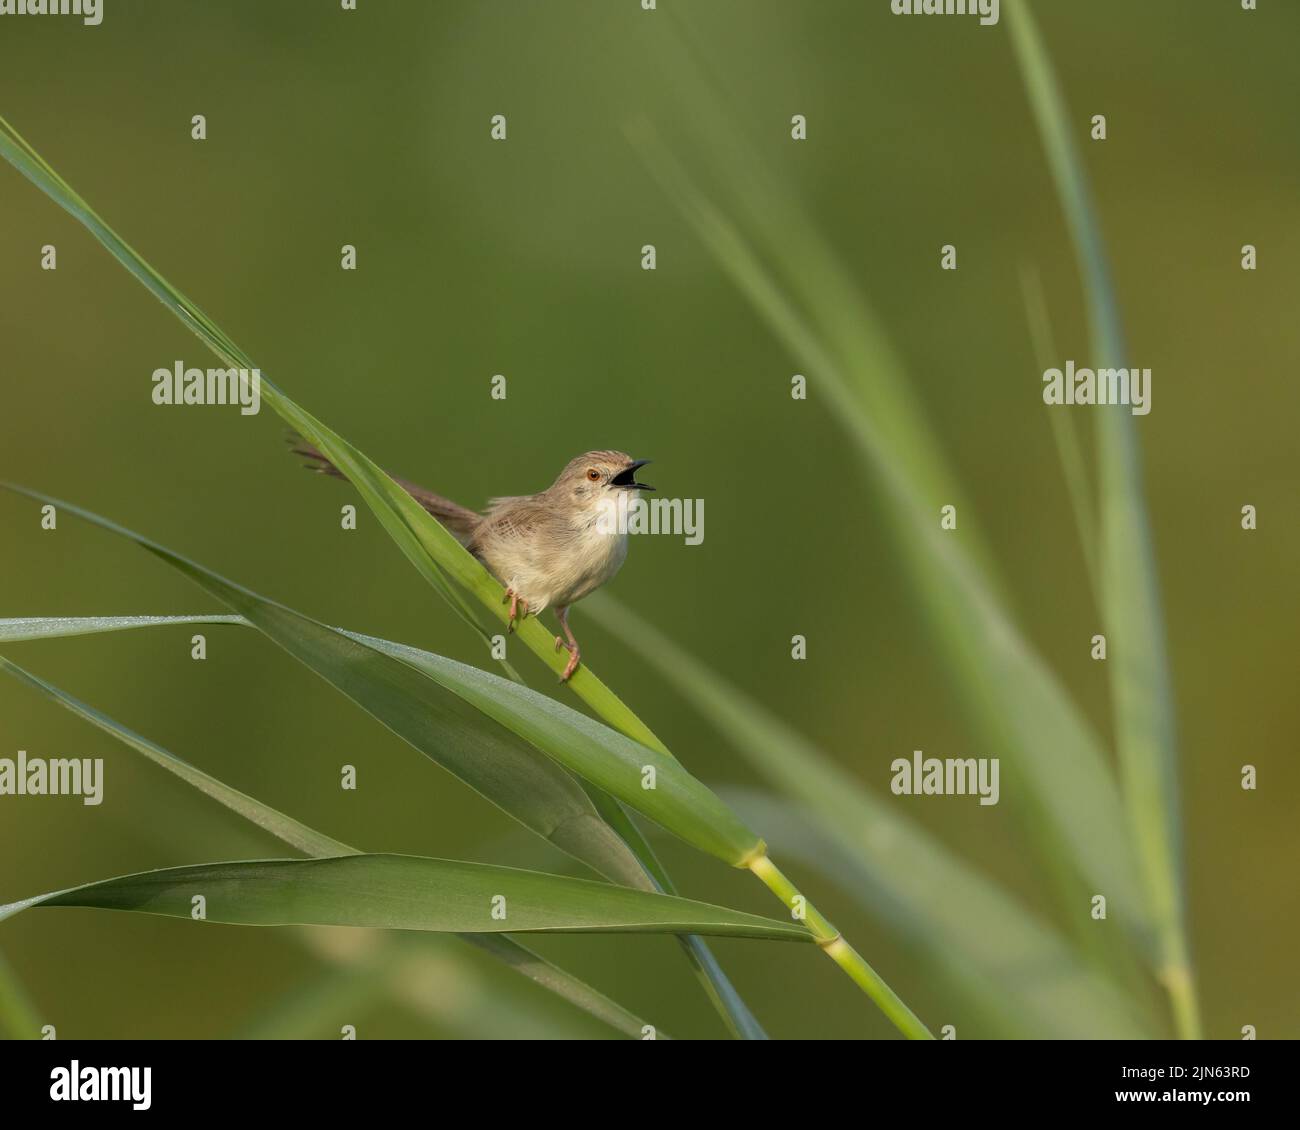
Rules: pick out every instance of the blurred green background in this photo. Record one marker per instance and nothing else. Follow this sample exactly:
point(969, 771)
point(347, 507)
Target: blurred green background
point(476, 258)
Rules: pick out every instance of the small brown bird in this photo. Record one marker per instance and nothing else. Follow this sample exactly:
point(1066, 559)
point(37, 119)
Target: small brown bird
point(548, 549)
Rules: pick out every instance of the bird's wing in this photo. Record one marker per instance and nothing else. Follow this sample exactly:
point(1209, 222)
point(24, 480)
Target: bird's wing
point(516, 516)
point(525, 521)
point(460, 521)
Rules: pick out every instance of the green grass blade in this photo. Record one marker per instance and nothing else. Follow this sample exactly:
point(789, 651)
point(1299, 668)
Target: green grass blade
point(616, 764)
point(1064, 433)
point(959, 918)
point(291, 831)
point(406, 892)
point(436, 981)
point(486, 756)
point(554, 726)
point(407, 523)
point(742, 1023)
point(1019, 706)
point(19, 628)
point(728, 1002)
point(542, 972)
point(443, 708)
point(1138, 668)
point(284, 828)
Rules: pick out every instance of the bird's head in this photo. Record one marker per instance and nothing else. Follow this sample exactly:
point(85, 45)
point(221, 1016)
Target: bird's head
point(596, 476)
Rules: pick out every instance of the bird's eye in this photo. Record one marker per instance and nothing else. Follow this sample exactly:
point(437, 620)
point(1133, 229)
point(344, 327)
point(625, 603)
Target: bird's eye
point(593, 474)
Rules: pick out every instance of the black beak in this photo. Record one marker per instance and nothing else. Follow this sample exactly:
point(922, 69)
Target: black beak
point(627, 476)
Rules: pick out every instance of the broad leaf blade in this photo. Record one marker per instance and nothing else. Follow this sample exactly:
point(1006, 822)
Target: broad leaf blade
point(405, 892)
point(616, 764)
point(729, 1004)
point(486, 756)
point(486, 730)
point(290, 831)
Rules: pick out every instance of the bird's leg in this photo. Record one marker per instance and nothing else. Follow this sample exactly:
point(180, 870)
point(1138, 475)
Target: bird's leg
point(562, 614)
point(518, 608)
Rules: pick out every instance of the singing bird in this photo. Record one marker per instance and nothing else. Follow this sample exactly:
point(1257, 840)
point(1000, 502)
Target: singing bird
point(549, 549)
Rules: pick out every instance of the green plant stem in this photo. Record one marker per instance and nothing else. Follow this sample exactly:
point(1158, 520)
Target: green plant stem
point(832, 943)
point(735, 1013)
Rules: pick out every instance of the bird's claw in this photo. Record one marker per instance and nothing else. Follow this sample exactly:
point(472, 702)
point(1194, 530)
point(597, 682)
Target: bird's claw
point(518, 609)
point(574, 655)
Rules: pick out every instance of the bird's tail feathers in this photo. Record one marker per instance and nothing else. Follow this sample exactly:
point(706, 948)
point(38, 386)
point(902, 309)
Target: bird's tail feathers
point(459, 521)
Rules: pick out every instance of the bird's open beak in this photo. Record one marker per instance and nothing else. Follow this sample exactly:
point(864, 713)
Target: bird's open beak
point(627, 477)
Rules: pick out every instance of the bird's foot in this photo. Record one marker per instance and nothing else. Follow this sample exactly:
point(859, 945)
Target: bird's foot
point(574, 656)
point(518, 608)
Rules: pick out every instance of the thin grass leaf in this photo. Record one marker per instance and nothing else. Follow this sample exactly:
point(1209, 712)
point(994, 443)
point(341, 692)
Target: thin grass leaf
point(1015, 700)
point(1137, 663)
point(284, 828)
point(436, 982)
point(407, 892)
point(907, 879)
point(19, 628)
point(542, 972)
point(291, 831)
point(1064, 433)
point(397, 512)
